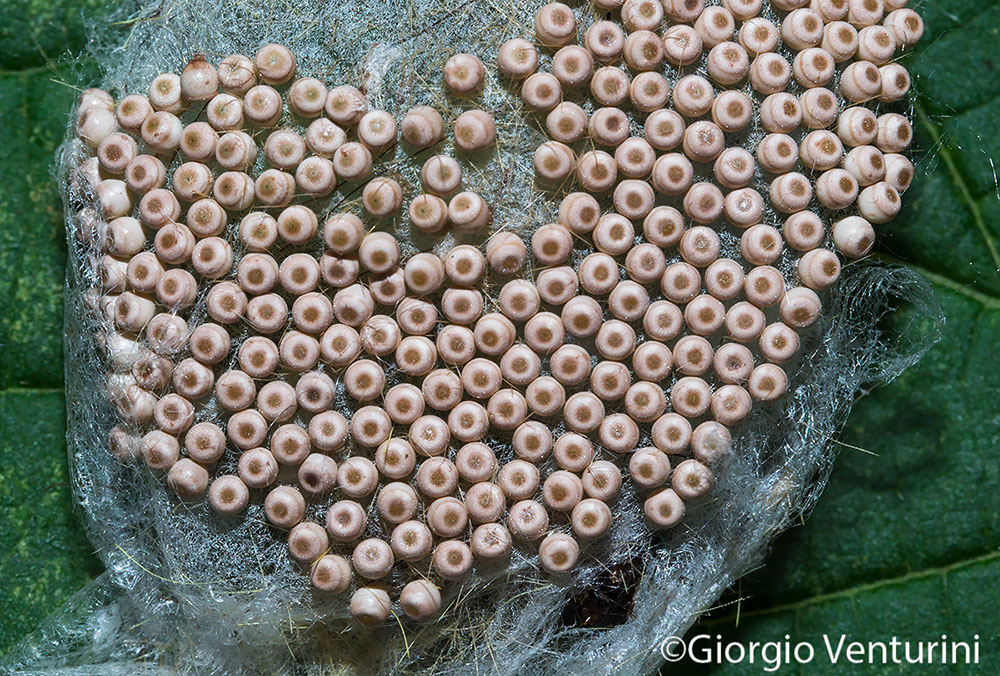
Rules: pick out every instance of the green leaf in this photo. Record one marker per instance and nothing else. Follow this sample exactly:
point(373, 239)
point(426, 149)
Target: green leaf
point(33, 115)
point(46, 557)
point(903, 542)
point(38, 32)
point(922, 606)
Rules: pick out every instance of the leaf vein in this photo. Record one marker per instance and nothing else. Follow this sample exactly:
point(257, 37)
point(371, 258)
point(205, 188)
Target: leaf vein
point(987, 300)
point(15, 391)
point(851, 592)
point(944, 152)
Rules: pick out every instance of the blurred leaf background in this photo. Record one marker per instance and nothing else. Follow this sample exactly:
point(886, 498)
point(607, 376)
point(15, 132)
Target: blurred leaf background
point(906, 540)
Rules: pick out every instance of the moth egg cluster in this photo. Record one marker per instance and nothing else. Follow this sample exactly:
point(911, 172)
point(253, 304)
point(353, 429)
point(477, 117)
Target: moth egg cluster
point(398, 418)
